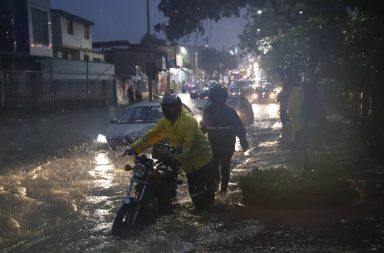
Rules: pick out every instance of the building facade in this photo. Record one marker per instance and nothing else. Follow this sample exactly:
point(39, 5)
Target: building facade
point(25, 27)
point(46, 58)
point(72, 37)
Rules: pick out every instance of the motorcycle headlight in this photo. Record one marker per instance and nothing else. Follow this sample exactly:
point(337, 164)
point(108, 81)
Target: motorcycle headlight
point(272, 95)
point(255, 96)
point(139, 170)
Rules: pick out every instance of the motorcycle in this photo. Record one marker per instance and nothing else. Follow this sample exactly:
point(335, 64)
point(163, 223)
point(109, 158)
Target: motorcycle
point(151, 188)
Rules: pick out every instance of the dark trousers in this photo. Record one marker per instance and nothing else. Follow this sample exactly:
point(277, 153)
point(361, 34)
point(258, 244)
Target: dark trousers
point(221, 163)
point(201, 187)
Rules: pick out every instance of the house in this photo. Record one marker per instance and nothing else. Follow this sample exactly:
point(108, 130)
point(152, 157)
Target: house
point(72, 37)
point(75, 72)
point(46, 58)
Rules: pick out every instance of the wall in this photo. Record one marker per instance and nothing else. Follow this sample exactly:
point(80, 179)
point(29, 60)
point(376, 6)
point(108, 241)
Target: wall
point(77, 70)
point(75, 40)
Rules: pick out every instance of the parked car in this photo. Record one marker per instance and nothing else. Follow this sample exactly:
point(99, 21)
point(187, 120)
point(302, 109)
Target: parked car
point(265, 94)
point(240, 104)
point(133, 122)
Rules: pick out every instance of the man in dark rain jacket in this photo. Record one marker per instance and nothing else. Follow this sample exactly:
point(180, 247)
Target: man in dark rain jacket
point(223, 125)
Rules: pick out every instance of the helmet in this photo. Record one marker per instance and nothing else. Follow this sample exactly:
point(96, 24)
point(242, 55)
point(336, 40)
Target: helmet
point(218, 94)
point(171, 106)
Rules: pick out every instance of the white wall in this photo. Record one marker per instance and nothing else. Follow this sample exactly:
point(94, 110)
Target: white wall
point(63, 69)
point(75, 40)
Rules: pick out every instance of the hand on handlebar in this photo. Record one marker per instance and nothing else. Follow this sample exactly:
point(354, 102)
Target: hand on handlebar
point(129, 151)
point(171, 160)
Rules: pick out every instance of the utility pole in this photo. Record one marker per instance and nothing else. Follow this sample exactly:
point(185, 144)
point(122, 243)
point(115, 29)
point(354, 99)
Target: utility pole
point(196, 57)
point(149, 75)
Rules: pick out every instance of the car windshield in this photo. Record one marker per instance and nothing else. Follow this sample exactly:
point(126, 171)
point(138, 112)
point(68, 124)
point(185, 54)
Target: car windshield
point(264, 89)
point(141, 114)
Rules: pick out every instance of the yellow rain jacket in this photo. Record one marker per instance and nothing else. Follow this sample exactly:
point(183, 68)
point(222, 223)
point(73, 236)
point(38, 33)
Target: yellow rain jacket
point(184, 133)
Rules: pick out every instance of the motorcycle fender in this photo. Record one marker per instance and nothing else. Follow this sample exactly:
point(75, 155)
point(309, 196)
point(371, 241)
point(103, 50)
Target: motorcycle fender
point(128, 200)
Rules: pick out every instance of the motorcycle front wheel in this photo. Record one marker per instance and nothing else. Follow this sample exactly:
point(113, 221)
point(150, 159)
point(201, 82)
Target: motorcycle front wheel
point(123, 219)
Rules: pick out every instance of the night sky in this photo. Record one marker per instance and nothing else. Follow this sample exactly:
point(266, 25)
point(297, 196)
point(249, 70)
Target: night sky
point(126, 20)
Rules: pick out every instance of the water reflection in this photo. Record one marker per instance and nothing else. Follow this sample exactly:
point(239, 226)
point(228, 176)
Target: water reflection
point(268, 144)
point(269, 111)
point(103, 171)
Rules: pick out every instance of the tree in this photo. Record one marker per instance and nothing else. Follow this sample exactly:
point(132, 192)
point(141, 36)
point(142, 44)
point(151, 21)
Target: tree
point(333, 45)
point(211, 60)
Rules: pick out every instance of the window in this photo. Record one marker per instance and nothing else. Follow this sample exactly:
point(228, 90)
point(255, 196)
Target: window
point(142, 114)
point(86, 32)
point(40, 27)
point(86, 57)
point(70, 26)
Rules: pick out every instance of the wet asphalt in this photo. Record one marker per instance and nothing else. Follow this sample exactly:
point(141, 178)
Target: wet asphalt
point(60, 190)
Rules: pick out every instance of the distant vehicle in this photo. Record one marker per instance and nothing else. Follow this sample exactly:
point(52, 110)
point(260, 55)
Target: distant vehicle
point(187, 87)
point(133, 122)
point(244, 87)
point(265, 94)
point(193, 91)
point(208, 85)
point(234, 90)
point(204, 93)
point(200, 94)
point(243, 108)
point(266, 83)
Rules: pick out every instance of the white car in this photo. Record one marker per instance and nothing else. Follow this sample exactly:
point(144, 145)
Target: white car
point(133, 123)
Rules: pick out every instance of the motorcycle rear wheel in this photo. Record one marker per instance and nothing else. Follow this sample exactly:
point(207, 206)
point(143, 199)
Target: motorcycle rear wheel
point(123, 219)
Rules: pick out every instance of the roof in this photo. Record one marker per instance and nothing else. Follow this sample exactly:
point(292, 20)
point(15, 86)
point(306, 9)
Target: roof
point(71, 16)
point(113, 43)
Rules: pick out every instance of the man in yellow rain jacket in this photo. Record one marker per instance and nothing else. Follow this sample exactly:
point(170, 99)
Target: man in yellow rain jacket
point(181, 129)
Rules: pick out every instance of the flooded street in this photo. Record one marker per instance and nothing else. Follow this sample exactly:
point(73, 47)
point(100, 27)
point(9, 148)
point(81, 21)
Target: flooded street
point(60, 191)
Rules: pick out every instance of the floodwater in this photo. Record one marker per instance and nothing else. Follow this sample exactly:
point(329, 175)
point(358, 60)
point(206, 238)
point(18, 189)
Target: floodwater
point(60, 190)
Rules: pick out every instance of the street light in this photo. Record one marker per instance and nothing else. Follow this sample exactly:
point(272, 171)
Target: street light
point(183, 51)
point(149, 54)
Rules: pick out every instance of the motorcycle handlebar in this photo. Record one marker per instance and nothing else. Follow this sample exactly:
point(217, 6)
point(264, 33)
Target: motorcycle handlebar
point(130, 151)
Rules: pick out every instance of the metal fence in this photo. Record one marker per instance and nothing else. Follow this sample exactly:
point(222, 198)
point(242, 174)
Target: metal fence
point(31, 89)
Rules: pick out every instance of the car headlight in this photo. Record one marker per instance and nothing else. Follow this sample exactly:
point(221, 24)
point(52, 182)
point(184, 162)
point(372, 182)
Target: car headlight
point(101, 139)
point(139, 170)
point(254, 96)
point(198, 118)
point(272, 95)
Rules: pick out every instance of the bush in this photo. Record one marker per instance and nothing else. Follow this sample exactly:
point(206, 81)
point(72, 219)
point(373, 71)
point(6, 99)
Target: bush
point(282, 188)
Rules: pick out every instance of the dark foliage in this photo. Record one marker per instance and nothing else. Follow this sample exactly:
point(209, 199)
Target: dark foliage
point(282, 188)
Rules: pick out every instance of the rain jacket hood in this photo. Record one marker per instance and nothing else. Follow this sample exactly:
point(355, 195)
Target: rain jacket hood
point(184, 133)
